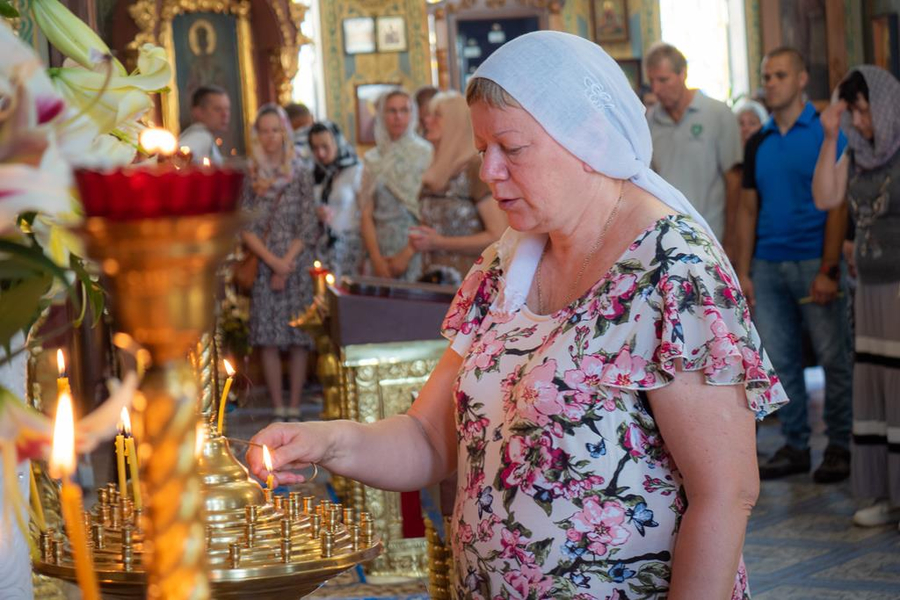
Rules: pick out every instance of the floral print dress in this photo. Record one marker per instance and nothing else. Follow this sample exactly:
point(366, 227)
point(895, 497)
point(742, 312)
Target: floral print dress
point(566, 488)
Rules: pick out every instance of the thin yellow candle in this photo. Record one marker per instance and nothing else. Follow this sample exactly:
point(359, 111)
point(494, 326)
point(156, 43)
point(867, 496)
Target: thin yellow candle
point(62, 384)
point(220, 427)
point(267, 460)
point(120, 462)
point(132, 460)
point(36, 502)
point(62, 465)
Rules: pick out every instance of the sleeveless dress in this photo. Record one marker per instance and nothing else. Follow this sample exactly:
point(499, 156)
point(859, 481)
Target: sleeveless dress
point(565, 486)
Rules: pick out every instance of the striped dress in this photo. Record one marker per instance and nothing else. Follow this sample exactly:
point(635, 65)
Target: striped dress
point(874, 197)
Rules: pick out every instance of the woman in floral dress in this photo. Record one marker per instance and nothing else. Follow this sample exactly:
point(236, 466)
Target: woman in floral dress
point(598, 396)
point(279, 196)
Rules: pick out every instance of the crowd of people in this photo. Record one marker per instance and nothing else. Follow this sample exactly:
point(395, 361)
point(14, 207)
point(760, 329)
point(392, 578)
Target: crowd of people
point(614, 261)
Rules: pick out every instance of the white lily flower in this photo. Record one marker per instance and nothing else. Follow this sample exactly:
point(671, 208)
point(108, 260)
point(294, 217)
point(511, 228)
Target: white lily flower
point(111, 101)
point(70, 35)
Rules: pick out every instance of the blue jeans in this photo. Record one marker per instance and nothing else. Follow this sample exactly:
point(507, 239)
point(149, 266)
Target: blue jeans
point(781, 320)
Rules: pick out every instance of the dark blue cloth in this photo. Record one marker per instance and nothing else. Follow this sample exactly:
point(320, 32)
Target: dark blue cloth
point(780, 168)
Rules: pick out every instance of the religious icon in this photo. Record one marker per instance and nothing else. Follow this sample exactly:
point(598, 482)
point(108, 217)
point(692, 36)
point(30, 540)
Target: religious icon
point(202, 38)
point(359, 35)
point(391, 34)
point(610, 20)
point(206, 52)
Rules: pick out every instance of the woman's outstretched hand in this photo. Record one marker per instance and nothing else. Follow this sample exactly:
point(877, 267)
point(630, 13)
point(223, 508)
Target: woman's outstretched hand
point(293, 446)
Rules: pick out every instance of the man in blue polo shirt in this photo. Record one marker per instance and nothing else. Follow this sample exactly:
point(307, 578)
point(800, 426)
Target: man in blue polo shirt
point(789, 266)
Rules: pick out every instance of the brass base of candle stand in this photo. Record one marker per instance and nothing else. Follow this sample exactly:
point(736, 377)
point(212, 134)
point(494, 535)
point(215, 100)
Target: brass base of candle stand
point(208, 530)
point(247, 539)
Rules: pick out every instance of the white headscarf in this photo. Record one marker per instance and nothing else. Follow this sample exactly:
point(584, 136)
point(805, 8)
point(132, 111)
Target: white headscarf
point(399, 163)
point(583, 100)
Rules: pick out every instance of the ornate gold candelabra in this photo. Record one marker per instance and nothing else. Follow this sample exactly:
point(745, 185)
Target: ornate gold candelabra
point(208, 529)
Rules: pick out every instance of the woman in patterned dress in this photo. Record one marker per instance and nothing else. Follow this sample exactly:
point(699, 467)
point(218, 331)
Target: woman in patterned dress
point(459, 217)
point(392, 179)
point(283, 235)
point(867, 176)
point(598, 396)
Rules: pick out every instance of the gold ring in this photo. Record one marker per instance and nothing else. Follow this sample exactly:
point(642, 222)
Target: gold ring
point(315, 473)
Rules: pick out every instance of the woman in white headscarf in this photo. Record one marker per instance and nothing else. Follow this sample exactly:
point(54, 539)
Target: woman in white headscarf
point(392, 179)
point(598, 395)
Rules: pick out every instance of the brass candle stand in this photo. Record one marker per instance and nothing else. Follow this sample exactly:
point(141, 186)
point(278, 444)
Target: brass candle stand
point(283, 547)
point(207, 530)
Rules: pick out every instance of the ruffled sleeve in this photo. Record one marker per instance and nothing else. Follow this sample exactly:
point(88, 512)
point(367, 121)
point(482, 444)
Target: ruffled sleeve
point(696, 313)
point(473, 301)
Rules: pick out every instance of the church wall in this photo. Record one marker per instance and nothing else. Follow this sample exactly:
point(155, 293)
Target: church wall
point(643, 26)
point(343, 72)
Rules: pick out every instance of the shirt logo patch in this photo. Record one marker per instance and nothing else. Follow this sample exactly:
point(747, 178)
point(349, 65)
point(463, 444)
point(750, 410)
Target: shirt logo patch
point(696, 130)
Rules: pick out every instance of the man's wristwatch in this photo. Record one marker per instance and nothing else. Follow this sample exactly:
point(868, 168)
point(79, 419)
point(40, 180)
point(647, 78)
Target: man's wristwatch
point(832, 272)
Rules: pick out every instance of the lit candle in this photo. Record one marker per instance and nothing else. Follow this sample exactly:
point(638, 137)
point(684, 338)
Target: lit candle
point(318, 273)
point(132, 460)
point(62, 465)
point(221, 422)
point(120, 460)
point(36, 502)
point(206, 162)
point(267, 460)
point(62, 383)
point(155, 140)
point(329, 279)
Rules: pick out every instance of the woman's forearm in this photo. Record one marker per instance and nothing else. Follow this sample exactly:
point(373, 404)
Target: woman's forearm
point(393, 454)
point(294, 251)
point(708, 548)
point(825, 178)
point(367, 231)
point(258, 248)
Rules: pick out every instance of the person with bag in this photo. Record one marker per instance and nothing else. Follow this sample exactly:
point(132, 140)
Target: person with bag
point(282, 236)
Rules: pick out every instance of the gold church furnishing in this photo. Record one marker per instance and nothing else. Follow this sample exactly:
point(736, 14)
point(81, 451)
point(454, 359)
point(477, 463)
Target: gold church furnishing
point(208, 529)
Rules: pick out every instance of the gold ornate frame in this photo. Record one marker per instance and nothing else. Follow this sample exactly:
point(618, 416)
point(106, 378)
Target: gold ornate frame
point(144, 14)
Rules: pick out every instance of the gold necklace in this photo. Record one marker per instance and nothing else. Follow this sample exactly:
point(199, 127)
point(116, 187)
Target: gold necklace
point(587, 259)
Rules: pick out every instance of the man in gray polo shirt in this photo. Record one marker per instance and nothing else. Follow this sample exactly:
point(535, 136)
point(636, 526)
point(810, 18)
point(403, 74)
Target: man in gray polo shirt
point(696, 142)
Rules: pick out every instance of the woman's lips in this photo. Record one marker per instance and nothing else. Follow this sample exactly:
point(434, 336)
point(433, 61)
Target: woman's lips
point(506, 203)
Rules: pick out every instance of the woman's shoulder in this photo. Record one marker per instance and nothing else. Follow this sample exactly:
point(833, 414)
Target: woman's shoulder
point(673, 240)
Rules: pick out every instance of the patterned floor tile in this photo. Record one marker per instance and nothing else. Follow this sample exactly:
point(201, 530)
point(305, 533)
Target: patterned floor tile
point(767, 559)
point(870, 567)
point(790, 592)
point(820, 528)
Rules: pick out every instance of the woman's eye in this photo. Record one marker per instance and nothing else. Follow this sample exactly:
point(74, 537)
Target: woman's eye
point(512, 151)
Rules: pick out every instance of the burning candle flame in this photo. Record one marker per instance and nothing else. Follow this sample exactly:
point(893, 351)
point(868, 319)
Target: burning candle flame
point(329, 279)
point(205, 161)
point(158, 141)
point(228, 368)
point(126, 421)
point(62, 455)
point(267, 458)
point(317, 264)
point(61, 362)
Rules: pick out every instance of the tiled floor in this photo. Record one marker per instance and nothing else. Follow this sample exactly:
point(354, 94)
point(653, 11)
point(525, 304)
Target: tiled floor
point(800, 543)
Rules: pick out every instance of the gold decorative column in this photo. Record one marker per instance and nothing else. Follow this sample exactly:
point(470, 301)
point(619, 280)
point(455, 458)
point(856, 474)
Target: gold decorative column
point(161, 273)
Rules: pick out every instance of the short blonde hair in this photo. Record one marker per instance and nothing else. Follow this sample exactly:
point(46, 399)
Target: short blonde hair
point(661, 51)
point(489, 92)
